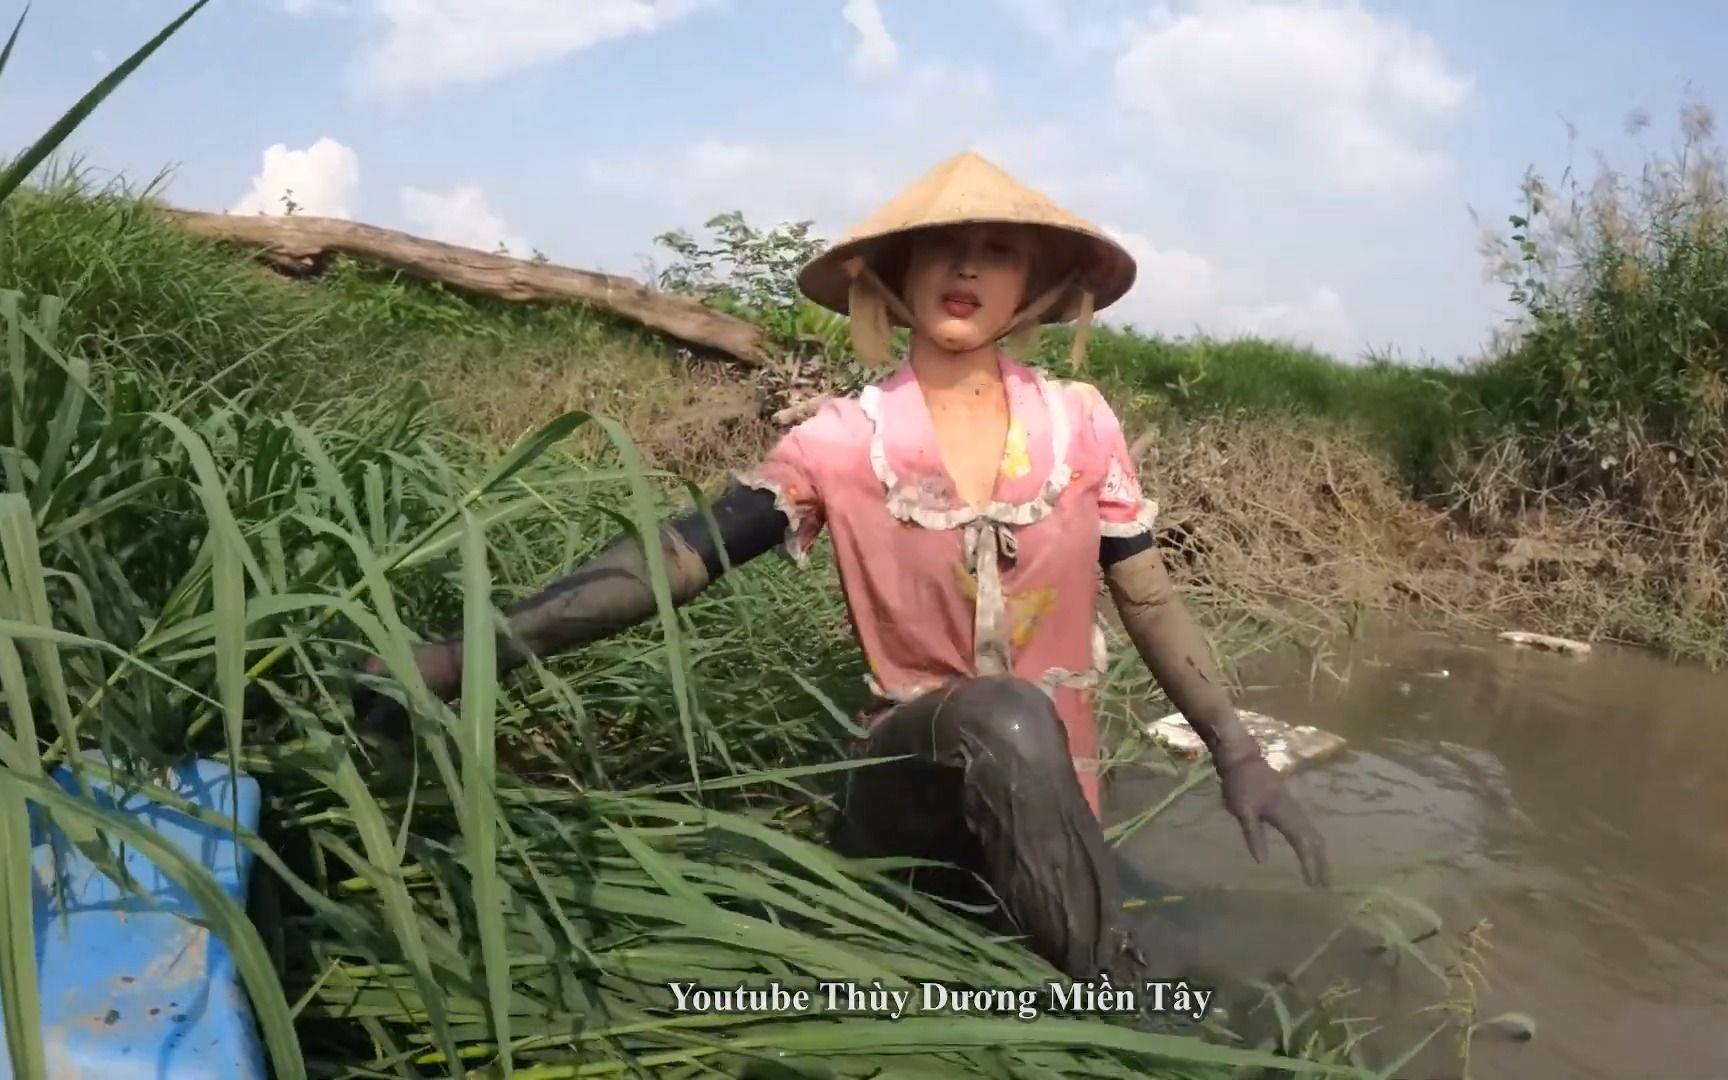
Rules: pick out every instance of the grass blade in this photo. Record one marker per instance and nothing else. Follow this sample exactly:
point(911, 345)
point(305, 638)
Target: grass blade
point(22, 1002)
point(19, 976)
point(29, 592)
point(66, 418)
point(480, 830)
point(12, 38)
point(26, 163)
point(229, 608)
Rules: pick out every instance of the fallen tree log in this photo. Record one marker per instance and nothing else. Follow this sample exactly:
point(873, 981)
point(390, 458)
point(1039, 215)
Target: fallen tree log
point(301, 246)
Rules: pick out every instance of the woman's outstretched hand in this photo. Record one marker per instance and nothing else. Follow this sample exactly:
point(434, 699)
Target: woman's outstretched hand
point(1255, 795)
point(380, 716)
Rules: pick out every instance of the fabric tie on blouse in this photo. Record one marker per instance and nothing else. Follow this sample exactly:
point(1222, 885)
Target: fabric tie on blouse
point(990, 544)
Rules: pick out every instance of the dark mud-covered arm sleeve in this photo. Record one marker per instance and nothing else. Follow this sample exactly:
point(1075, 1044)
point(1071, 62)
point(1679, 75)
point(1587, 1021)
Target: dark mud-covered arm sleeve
point(792, 475)
point(1174, 647)
point(775, 504)
point(613, 591)
point(1163, 631)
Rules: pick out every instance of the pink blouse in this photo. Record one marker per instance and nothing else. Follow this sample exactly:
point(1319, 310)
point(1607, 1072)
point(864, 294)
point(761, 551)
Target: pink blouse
point(937, 589)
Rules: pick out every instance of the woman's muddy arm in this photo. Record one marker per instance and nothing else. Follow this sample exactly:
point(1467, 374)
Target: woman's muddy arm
point(1175, 651)
point(1172, 645)
point(613, 591)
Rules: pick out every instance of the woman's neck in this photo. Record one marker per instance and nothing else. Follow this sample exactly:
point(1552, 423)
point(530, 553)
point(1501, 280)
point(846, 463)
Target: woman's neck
point(957, 373)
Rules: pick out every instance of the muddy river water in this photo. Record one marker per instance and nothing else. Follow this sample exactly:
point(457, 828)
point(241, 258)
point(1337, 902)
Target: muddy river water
point(1575, 804)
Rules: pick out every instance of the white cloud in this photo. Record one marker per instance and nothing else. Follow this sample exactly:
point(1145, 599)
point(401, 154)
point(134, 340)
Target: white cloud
point(433, 43)
point(322, 181)
point(1178, 292)
point(876, 53)
point(1046, 17)
point(768, 184)
point(1325, 92)
point(1317, 319)
point(460, 216)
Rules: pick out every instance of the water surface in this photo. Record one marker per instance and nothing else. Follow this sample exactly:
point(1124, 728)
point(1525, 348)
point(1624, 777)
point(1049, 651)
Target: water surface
point(1574, 803)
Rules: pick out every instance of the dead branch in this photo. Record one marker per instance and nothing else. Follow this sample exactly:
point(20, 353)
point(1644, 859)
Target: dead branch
point(301, 246)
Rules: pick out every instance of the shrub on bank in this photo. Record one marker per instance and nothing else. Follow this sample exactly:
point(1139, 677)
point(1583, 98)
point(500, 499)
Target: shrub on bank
point(1625, 287)
point(1611, 403)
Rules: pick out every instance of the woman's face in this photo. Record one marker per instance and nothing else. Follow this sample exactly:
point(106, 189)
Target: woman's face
point(965, 282)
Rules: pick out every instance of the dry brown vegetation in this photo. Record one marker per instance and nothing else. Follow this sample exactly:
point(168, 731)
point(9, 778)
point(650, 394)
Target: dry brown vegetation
point(1312, 523)
point(1634, 552)
point(1295, 516)
point(689, 417)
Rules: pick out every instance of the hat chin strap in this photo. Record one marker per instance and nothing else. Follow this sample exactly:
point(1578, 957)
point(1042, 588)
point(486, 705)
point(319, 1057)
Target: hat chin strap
point(1027, 322)
point(1030, 315)
point(860, 271)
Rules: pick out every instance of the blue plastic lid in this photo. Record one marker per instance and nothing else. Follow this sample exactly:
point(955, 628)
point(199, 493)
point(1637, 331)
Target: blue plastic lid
point(132, 986)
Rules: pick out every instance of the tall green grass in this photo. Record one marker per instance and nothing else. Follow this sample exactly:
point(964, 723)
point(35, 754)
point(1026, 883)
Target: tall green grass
point(521, 887)
point(1612, 399)
point(140, 290)
point(1415, 415)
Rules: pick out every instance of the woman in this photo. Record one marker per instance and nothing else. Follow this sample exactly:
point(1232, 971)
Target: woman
point(971, 503)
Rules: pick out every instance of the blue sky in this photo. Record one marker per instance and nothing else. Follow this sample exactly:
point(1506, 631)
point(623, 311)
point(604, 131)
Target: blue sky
point(1301, 169)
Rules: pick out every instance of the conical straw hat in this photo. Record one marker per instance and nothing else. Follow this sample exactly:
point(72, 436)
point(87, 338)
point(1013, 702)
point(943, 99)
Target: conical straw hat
point(967, 189)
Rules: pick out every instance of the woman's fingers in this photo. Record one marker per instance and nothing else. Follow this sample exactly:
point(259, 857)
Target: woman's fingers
point(1289, 818)
point(1256, 805)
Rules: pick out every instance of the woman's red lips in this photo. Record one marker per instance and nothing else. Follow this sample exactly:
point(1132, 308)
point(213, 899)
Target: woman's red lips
point(960, 304)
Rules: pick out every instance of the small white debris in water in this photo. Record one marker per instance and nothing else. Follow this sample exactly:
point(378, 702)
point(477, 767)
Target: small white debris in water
point(1441, 674)
point(1544, 641)
point(1285, 746)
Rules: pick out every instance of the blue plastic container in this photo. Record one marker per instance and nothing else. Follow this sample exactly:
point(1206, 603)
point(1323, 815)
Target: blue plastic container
point(131, 989)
